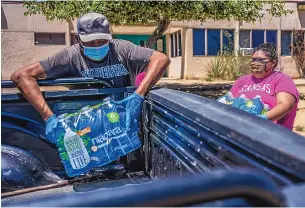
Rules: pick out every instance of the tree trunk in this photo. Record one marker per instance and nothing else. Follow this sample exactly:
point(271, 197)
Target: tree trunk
point(157, 34)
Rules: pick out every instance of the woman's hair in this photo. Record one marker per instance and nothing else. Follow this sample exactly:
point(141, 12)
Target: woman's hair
point(270, 51)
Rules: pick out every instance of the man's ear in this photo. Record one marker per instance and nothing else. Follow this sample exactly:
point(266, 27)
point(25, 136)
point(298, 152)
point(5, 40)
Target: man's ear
point(80, 43)
point(77, 38)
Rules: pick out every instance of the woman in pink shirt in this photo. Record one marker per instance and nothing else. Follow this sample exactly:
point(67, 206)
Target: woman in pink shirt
point(275, 88)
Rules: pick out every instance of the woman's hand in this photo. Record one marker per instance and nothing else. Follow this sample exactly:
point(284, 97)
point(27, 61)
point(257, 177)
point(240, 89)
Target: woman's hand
point(285, 102)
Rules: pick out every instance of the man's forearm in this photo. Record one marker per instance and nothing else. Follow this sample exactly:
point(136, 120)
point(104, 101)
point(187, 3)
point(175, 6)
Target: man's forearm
point(26, 81)
point(155, 71)
point(30, 89)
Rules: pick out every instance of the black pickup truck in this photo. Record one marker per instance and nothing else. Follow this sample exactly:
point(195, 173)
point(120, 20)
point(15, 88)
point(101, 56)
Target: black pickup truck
point(195, 152)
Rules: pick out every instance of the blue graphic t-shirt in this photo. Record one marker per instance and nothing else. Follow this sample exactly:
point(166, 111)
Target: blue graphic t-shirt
point(122, 64)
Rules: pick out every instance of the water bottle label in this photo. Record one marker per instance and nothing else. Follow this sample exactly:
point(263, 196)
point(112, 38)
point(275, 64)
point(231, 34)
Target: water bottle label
point(78, 155)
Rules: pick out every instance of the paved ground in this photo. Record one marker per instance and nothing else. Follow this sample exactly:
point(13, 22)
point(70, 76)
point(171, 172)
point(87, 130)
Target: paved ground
point(299, 124)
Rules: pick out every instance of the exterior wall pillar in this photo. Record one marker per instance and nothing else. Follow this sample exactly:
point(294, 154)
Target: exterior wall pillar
point(236, 37)
point(184, 56)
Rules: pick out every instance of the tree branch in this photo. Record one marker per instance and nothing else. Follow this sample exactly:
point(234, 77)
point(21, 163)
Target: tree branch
point(157, 34)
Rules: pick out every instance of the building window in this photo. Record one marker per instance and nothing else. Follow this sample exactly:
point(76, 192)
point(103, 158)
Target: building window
point(298, 46)
point(286, 39)
point(253, 38)
point(176, 49)
point(244, 38)
point(271, 36)
point(50, 39)
point(228, 41)
point(216, 40)
point(176, 44)
point(179, 43)
point(172, 45)
point(198, 42)
point(292, 41)
point(258, 37)
point(213, 42)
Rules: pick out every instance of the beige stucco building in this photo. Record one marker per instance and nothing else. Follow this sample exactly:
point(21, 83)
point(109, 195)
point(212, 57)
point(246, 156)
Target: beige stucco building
point(26, 39)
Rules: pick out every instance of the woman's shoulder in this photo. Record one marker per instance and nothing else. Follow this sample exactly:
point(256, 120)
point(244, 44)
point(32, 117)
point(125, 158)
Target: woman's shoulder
point(279, 75)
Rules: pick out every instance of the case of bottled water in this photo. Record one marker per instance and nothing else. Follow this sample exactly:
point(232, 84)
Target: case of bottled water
point(95, 136)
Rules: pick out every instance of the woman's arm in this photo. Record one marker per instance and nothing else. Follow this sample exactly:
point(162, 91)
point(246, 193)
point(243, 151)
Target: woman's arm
point(285, 102)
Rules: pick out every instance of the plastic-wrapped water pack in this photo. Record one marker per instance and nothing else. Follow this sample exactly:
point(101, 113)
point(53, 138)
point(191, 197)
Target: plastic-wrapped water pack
point(227, 99)
point(254, 106)
point(95, 136)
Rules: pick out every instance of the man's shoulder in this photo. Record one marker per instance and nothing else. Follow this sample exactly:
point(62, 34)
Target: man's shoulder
point(120, 41)
point(119, 44)
point(69, 52)
point(73, 49)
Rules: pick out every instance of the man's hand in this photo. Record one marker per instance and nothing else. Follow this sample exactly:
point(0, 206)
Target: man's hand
point(133, 105)
point(51, 125)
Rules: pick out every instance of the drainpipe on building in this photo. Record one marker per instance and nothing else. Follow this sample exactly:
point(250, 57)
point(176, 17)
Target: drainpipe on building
point(237, 28)
point(68, 33)
point(279, 49)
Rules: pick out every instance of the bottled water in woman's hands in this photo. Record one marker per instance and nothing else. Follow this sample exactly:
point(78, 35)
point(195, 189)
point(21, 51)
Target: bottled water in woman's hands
point(240, 101)
point(227, 99)
point(254, 106)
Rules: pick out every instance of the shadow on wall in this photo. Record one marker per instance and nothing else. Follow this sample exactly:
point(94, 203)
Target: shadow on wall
point(301, 11)
point(302, 18)
point(3, 20)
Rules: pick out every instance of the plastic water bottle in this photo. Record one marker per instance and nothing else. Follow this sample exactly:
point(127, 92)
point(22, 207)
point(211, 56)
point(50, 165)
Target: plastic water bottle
point(240, 101)
point(254, 106)
point(122, 137)
point(77, 152)
point(266, 109)
point(227, 99)
point(115, 132)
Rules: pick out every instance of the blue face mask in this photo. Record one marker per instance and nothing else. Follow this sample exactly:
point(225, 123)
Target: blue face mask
point(96, 53)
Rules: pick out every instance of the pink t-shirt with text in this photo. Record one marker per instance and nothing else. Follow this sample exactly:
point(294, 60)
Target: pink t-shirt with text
point(267, 88)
